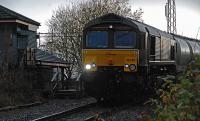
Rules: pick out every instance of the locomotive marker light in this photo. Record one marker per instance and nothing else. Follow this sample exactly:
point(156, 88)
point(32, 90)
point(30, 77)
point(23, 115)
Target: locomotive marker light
point(110, 27)
point(93, 65)
point(132, 67)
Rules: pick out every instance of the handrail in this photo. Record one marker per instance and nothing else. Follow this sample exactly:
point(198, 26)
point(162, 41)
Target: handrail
point(55, 86)
point(78, 78)
point(55, 75)
point(52, 80)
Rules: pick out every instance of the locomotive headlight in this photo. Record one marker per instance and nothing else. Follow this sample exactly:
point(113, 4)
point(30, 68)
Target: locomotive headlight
point(132, 67)
point(88, 66)
point(126, 65)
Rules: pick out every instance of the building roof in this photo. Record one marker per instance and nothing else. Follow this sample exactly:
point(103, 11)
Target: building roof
point(46, 58)
point(7, 14)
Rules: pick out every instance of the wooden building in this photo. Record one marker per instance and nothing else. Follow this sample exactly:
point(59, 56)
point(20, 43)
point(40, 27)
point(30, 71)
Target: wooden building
point(18, 47)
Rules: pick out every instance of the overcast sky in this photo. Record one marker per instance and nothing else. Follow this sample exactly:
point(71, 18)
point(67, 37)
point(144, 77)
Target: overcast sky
point(188, 15)
point(188, 12)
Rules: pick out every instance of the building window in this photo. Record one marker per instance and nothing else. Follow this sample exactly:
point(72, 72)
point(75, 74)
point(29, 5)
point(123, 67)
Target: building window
point(22, 42)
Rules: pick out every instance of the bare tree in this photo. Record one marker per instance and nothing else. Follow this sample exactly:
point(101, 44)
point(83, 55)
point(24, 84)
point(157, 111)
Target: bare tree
point(67, 24)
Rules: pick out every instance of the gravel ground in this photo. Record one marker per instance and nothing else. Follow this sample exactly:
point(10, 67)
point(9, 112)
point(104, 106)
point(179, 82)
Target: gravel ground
point(80, 116)
point(44, 109)
point(131, 113)
point(118, 113)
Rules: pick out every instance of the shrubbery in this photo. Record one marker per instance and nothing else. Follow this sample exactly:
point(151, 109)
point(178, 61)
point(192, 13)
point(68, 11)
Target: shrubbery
point(14, 88)
point(181, 101)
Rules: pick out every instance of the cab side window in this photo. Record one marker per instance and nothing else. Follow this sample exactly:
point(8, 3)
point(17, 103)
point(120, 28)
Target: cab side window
point(152, 48)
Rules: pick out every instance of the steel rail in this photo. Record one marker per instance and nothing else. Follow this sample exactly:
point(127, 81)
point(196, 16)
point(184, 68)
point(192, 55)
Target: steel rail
point(99, 116)
point(65, 113)
point(8, 108)
point(94, 117)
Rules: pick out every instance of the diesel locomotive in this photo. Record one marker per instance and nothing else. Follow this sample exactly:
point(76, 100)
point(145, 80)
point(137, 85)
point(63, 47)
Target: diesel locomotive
point(121, 56)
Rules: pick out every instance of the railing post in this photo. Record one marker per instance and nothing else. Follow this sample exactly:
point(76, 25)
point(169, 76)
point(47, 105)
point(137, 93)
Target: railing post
point(62, 77)
point(54, 86)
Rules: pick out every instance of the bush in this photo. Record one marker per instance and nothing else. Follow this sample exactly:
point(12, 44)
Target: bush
point(14, 88)
point(179, 102)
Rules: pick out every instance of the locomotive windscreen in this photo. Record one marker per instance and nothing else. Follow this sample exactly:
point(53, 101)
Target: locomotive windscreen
point(97, 39)
point(111, 39)
point(124, 39)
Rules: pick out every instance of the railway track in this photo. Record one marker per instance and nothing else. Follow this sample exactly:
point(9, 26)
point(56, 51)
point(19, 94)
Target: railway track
point(106, 113)
point(91, 112)
point(8, 108)
point(97, 117)
point(65, 113)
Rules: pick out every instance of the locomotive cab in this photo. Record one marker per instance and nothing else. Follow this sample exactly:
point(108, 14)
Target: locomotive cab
point(110, 57)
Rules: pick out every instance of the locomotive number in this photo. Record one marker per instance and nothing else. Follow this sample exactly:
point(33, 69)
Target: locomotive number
point(130, 60)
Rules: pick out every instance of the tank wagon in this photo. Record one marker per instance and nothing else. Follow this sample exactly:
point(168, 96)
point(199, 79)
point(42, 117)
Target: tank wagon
point(121, 56)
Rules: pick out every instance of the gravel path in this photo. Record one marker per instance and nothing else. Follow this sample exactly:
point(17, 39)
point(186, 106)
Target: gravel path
point(44, 109)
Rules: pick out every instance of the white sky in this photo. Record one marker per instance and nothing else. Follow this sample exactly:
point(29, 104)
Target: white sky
point(188, 15)
point(188, 12)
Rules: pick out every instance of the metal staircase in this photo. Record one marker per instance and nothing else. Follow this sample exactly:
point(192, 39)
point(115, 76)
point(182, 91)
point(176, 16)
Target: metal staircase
point(66, 87)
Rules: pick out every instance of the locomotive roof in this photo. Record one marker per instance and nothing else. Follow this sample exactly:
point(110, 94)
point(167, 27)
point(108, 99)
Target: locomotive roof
point(110, 18)
point(114, 18)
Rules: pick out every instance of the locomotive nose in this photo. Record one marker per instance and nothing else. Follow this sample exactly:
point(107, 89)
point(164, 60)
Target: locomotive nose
point(127, 60)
